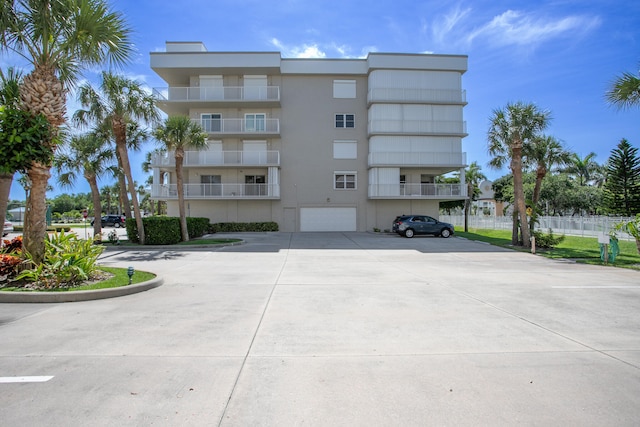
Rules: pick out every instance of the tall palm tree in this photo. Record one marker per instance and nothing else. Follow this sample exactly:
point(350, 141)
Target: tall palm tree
point(58, 38)
point(89, 154)
point(178, 133)
point(543, 154)
point(624, 91)
point(511, 129)
point(585, 168)
point(473, 176)
point(117, 104)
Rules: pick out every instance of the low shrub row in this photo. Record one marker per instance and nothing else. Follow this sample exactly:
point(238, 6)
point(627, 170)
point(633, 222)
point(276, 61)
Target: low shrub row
point(165, 230)
point(235, 227)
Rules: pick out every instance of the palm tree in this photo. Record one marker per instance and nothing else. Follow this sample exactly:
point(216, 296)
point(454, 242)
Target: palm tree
point(9, 97)
point(178, 133)
point(511, 129)
point(624, 91)
point(585, 168)
point(543, 154)
point(118, 103)
point(473, 175)
point(20, 137)
point(58, 38)
point(89, 154)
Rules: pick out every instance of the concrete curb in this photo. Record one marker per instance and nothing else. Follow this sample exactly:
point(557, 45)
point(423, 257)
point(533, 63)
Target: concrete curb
point(75, 296)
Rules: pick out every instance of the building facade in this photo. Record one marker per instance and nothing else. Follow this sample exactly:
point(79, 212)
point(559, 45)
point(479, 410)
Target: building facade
point(313, 144)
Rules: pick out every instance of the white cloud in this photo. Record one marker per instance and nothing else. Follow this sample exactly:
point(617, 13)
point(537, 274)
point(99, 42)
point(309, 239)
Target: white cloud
point(520, 29)
point(445, 25)
point(302, 51)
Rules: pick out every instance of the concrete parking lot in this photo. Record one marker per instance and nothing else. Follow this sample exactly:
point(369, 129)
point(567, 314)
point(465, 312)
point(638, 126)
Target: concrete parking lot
point(333, 329)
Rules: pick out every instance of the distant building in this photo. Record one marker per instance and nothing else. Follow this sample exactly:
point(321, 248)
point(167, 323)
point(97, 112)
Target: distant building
point(313, 144)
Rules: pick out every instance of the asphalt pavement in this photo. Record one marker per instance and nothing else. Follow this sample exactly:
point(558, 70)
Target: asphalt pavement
point(332, 329)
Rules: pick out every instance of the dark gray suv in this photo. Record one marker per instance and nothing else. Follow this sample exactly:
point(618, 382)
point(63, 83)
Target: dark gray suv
point(115, 220)
point(410, 225)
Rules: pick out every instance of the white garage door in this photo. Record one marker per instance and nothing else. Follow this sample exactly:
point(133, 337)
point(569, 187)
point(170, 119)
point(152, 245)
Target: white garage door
point(327, 219)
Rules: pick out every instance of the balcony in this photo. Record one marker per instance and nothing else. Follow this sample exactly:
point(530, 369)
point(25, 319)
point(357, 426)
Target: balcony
point(422, 96)
point(419, 159)
point(418, 127)
point(418, 191)
point(242, 127)
point(217, 191)
point(219, 158)
point(225, 94)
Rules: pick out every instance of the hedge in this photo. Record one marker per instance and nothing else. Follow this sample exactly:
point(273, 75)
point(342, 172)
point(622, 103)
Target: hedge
point(165, 230)
point(235, 227)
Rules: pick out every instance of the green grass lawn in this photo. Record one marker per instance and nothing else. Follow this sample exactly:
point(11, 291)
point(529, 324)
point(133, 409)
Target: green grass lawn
point(120, 278)
point(580, 249)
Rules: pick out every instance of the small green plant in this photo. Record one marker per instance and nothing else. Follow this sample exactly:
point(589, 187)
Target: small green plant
point(630, 227)
point(376, 230)
point(547, 241)
point(67, 262)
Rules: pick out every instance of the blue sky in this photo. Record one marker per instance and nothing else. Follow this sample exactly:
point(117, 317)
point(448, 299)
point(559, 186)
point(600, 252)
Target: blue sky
point(559, 54)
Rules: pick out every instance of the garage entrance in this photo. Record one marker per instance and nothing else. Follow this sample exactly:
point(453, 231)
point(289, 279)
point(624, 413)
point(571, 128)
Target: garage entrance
point(328, 219)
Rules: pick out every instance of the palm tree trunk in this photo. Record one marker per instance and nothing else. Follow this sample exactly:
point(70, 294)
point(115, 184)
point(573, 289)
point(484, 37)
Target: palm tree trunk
point(97, 206)
point(536, 195)
point(183, 215)
point(122, 188)
point(120, 133)
point(518, 193)
point(35, 223)
point(5, 189)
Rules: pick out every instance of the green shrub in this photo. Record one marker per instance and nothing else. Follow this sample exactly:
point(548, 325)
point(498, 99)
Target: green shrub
point(547, 241)
point(161, 230)
point(165, 230)
point(197, 227)
point(68, 261)
point(132, 230)
point(236, 227)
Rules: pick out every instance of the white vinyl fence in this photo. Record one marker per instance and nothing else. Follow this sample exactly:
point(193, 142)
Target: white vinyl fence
point(585, 226)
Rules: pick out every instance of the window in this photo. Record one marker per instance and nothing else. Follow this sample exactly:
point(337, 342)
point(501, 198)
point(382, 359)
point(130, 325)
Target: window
point(344, 88)
point(255, 122)
point(344, 180)
point(345, 149)
point(345, 120)
point(211, 122)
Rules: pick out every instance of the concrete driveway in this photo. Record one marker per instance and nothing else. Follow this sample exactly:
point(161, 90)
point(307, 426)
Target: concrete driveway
point(333, 329)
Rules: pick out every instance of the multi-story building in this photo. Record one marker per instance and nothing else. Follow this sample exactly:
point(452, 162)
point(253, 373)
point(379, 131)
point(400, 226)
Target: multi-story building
point(313, 144)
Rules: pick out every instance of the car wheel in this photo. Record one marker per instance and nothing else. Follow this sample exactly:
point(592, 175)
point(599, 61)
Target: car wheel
point(408, 233)
point(445, 233)
point(116, 224)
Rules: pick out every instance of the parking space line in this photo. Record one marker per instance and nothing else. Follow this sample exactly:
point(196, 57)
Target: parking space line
point(36, 379)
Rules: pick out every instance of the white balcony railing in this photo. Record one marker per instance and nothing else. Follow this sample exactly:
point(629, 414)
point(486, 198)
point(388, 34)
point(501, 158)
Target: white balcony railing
point(417, 159)
point(418, 191)
point(220, 158)
point(442, 96)
point(217, 191)
point(438, 127)
point(235, 126)
point(222, 94)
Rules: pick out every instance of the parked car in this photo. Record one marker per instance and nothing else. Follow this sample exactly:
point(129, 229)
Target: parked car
point(8, 228)
point(115, 220)
point(410, 225)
